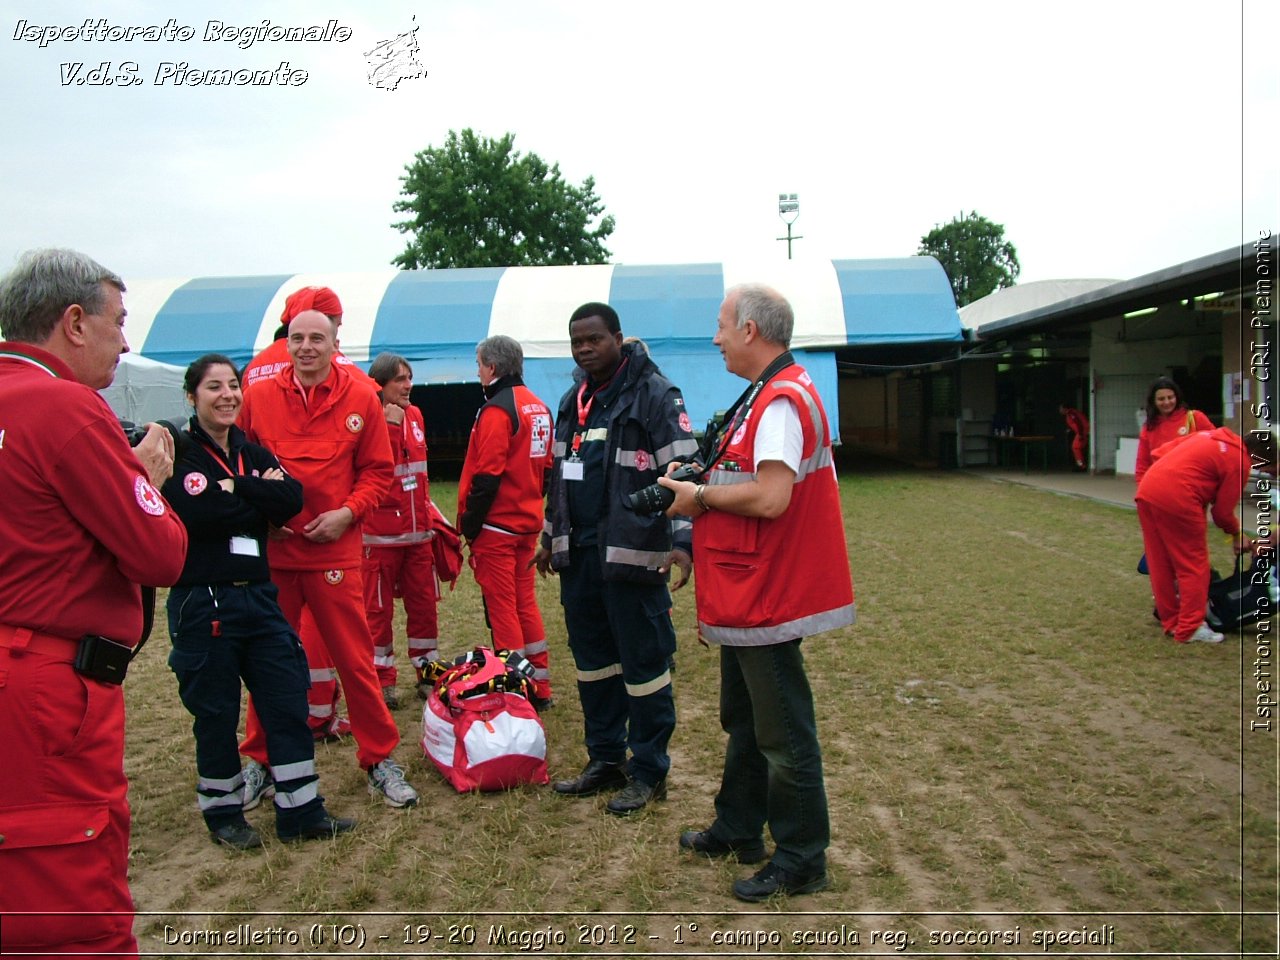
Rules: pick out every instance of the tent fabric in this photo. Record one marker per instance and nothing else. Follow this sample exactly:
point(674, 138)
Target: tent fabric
point(425, 314)
point(144, 390)
point(434, 318)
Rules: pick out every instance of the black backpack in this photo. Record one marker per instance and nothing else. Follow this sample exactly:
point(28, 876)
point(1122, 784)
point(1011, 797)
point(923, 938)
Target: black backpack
point(1243, 597)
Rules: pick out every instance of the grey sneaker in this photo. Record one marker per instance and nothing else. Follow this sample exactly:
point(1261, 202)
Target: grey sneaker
point(257, 784)
point(387, 779)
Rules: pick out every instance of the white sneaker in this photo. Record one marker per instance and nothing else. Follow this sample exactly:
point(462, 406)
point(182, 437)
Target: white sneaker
point(387, 779)
point(257, 784)
point(1204, 634)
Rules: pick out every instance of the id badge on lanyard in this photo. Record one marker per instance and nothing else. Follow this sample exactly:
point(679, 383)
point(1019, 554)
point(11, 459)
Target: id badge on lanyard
point(571, 468)
point(238, 546)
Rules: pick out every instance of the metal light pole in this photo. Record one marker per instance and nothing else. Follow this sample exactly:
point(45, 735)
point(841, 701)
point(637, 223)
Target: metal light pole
point(789, 210)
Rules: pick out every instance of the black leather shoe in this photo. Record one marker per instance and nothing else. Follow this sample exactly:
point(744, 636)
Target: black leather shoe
point(773, 881)
point(237, 836)
point(596, 776)
point(709, 845)
point(325, 828)
point(542, 704)
point(635, 796)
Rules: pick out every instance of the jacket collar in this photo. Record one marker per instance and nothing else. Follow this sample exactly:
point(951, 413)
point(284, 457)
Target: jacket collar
point(494, 388)
point(37, 356)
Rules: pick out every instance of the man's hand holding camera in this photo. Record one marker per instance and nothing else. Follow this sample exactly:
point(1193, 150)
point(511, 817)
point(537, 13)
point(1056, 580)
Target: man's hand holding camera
point(155, 453)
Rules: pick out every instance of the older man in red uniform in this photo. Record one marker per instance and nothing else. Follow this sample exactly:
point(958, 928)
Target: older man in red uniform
point(326, 429)
point(82, 526)
point(500, 503)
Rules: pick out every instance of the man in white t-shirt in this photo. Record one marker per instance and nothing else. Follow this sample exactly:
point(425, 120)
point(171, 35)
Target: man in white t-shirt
point(769, 542)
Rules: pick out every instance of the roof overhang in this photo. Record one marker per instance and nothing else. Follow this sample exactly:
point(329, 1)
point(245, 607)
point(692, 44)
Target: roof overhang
point(1227, 270)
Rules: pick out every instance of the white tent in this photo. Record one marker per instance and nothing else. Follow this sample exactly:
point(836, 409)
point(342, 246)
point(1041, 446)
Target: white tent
point(146, 390)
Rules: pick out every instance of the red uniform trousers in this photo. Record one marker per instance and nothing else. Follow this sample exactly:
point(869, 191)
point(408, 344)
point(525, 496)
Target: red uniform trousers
point(64, 813)
point(1079, 446)
point(503, 566)
point(1178, 561)
point(336, 600)
point(412, 569)
point(323, 694)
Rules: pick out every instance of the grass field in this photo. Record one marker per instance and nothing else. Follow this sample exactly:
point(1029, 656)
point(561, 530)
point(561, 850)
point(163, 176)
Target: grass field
point(1011, 746)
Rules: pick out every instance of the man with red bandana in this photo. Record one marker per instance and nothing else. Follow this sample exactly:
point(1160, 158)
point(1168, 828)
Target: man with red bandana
point(326, 430)
point(275, 356)
point(83, 526)
point(326, 722)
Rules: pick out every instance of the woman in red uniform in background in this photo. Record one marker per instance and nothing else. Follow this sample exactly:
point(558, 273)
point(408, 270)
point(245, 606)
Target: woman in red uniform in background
point(1168, 418)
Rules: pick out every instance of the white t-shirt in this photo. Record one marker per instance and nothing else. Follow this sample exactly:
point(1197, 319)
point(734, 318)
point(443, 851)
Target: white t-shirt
point(779, 436)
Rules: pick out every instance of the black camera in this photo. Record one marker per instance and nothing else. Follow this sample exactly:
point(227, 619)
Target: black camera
point(656, 498)
point(135, 433)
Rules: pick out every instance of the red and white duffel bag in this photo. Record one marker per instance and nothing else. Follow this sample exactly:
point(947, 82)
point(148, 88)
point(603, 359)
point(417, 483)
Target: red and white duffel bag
point(478, 726)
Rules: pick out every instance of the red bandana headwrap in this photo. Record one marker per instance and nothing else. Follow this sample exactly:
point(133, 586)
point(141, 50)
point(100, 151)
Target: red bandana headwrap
point(311, 298)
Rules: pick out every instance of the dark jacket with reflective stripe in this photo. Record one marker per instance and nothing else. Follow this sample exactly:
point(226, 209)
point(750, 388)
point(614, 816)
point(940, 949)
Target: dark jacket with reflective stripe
point(648, 428)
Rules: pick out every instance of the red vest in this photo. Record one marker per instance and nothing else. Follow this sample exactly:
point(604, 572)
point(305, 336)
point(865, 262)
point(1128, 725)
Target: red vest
point(403, 517)
point(764, 581)
point(520, 457)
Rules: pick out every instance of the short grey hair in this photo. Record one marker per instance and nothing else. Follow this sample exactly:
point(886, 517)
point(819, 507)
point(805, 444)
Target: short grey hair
point(36, 292)
point(503, 354)
point(767, 307)
point(386, 367)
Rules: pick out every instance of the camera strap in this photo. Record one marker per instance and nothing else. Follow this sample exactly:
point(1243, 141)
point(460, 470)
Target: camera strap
point(716, 442)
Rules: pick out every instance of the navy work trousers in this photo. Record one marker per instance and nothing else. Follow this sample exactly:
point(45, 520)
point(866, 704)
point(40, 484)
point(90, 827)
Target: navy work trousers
point(622, 640)
point(251, 641)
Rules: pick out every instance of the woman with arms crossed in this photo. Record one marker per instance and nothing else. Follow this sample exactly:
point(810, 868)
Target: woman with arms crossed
point(225, 622)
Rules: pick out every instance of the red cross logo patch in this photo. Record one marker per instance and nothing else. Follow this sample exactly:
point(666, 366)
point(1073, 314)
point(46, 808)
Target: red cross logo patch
point(148, 497)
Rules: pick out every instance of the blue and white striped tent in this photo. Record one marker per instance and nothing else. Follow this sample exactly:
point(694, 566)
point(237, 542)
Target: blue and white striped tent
point(436, 317)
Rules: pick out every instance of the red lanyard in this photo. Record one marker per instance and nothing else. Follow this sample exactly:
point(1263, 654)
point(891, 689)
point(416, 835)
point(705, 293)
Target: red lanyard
point(223, 462)
point(584, 409)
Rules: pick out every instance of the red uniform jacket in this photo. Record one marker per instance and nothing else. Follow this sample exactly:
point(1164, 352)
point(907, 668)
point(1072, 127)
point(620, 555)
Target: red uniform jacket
point(1179, 423)
point(766, 581)
point(335, 443)
point(510, 448)
point(1205, 468)
point(403, 517)
point(1077, 422)
point(81, 526)
point(275, 357)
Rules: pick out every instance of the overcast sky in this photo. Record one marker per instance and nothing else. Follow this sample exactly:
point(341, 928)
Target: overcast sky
point(1110, 138)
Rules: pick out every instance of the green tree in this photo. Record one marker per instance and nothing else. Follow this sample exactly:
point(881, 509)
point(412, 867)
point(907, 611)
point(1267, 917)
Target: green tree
point(477, 202)
point(975, 255)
